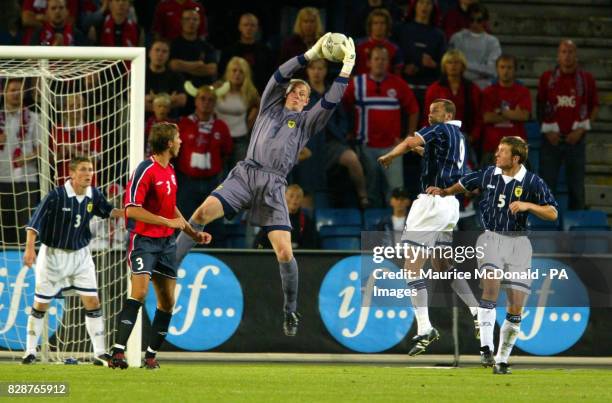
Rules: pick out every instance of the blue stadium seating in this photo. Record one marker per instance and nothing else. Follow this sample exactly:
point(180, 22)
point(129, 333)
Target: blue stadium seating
point(591, 242)
point(328, 231)
point(537, 224)
point(372, 216)
point(544, 243)
point(534, 137)
point(328, 216)
point(321, 200)
point(561, 180)
point(534, 160)
point(342, 243)
point(562, 200)
point(584, 218)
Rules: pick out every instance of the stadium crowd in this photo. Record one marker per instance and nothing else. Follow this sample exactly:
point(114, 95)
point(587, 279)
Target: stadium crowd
point(207, 68)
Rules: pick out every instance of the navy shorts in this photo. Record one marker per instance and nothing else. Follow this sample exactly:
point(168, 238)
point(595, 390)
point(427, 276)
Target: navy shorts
point(152, 255)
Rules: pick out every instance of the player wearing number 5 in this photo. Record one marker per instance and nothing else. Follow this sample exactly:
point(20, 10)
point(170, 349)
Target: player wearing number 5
point(64, 264)
point(432, 218)
point(150, 205)
point(509, 193)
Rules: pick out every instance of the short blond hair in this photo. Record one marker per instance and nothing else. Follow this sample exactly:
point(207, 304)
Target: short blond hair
point(163, 99)
point(453, 54)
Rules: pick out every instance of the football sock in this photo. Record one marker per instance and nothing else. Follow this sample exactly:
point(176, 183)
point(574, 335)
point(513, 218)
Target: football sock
point(159, 330)
point(184, 242)
point(419, 302)
point(94, 322)
point(486, 321)
point(127, 319)
point(507, 337)
point(289, 281)
point(463, 290)
point(35, 327)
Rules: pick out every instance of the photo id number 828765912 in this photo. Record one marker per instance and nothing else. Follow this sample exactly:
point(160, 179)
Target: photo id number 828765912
point(33, 389)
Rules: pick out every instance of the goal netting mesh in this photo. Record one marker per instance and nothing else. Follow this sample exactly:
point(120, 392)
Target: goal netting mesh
point(51, 110)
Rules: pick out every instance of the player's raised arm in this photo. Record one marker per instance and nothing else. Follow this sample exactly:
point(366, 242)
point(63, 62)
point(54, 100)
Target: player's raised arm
point(321, 112)
point(408, 144)
point(277, 85)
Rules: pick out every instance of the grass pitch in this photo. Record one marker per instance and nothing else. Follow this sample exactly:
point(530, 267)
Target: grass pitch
point(231, 382)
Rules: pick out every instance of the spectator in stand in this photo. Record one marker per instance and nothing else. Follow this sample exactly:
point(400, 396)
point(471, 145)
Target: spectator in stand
point(161, 113)
point(378, 28)
point(160, 79)
point(206, 143)
point(480, 48)
point(19, 139)
point(393, 225)
point(117, 28)
point(75, 136)
point(34, 16)
point(422, 44)
point(303, 233)
point(506, 106)
point(307, 30)
point(458, 18)
point(255, 52)
point(9, 23)
point(168, 19)
point(378, 100)
point(238, 105)
point(463, 93)
point(57, 30)
point(567, 105)
point(191, 55)
point(355, 19)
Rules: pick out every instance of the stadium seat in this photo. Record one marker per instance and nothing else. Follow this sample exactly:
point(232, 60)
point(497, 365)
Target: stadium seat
point(328, 231)
point(534, 160)
point(561, 180)
point(341, 243)
point(534, 136)
point(236, 241)
point(372, 216)
point(544, 243)
point(592, 242)
point(321, 200)
point(562, 201)
point(584, 218)
point(328, 216)
point(537, 224)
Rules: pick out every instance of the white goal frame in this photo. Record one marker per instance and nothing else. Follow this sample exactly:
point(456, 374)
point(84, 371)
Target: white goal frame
point(137, 58)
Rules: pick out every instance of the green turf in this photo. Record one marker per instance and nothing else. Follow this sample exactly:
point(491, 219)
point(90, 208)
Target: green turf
point(315, 383)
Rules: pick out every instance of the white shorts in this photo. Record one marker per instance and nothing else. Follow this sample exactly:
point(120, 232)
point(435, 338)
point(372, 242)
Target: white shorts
point(512, 254)
point(431, 220)
point(64, 272)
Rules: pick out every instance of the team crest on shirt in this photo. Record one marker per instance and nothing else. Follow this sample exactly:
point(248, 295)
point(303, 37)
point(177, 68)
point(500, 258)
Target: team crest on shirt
point(518, 191)
point(291, 123)
point(89, 207)
point(391, 92)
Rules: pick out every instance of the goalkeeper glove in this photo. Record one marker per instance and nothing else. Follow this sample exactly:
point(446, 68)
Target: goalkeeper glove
point(349, 57)
point(315, 52)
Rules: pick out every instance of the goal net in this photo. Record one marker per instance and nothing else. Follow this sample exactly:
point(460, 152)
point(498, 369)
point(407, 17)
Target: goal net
point(57, 102)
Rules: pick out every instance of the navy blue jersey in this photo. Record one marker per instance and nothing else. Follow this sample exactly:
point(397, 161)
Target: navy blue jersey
point(443, 162)
point(62, 221)
point(499, 191)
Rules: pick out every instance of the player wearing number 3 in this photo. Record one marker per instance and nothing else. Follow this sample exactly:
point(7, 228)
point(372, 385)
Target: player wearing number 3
point(432, 218)
point(150, 205)
point(64, 264)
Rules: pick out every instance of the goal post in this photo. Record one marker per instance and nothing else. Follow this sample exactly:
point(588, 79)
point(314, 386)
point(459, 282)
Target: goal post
point(85, 100)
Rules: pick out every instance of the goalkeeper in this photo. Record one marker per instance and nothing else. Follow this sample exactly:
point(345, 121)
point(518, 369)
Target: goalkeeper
point(258, 183)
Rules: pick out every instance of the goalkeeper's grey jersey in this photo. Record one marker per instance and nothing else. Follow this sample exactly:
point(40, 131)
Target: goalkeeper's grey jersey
point(279, 134)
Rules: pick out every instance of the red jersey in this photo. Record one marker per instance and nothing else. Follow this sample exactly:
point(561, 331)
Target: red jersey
point(69, 141)
point(472, 124)
point(396, 60)
point(167, 18)
point(378, 108)
point(205, 144)
point(153, 188)
point(40, 7)
point(498, 98)
point(567, 100)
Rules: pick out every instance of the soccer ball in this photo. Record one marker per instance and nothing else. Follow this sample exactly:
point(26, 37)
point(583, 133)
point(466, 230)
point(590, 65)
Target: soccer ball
point(331, 47)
